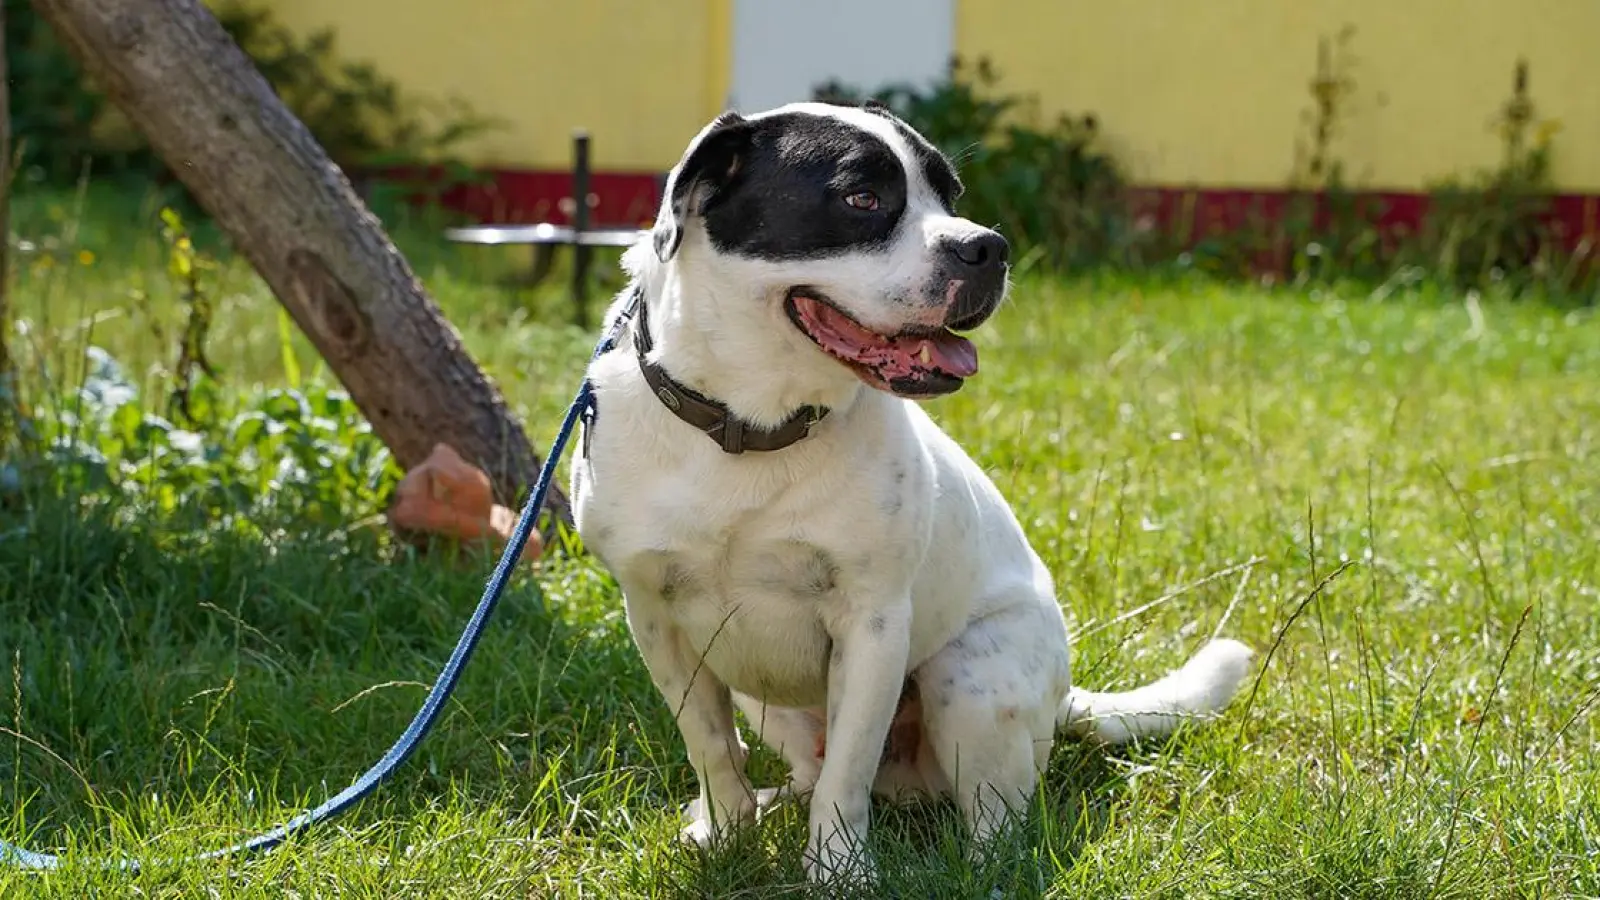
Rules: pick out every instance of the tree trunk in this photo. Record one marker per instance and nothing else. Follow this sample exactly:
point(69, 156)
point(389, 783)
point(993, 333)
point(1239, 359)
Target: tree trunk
point(217, 123)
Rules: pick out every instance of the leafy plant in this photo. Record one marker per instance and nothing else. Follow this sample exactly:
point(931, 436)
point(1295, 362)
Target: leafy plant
point(266, 460)
point(1490, 226)
point(54, 108)
point(1331, 89)
point(1327, 228)
point(184, 265)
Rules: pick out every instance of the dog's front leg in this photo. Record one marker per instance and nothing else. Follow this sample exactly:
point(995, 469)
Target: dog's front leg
point(703, 709)
point(866, 672)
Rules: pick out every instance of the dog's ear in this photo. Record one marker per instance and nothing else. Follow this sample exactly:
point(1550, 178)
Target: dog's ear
point(714, 157)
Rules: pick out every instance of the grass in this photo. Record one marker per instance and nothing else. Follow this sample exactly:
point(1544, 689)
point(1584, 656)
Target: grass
point(1420, 726)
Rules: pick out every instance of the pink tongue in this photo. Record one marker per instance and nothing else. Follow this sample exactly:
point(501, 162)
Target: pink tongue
point(947, 352)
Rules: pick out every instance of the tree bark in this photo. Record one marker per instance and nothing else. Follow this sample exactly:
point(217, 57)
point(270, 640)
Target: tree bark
point(170, 66)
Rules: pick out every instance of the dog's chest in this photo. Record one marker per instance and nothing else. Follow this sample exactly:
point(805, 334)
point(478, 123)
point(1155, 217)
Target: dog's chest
point(752, 609)
point(746, 576)
point(747, 558)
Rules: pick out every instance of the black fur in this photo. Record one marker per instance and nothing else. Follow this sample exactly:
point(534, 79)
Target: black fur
point(936, 167)
point(774, 188)
point(712, 161)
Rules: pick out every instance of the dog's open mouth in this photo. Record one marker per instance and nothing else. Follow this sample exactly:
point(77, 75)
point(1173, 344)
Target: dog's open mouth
point(921, 363)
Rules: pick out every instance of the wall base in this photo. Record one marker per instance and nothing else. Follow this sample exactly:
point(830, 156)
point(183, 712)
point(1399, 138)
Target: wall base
point(1190, 214)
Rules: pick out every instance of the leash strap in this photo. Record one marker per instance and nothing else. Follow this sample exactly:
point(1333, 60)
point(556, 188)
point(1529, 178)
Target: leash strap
point(449, 676)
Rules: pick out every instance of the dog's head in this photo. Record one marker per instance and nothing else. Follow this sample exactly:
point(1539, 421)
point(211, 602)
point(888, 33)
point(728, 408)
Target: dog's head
point(838, 223)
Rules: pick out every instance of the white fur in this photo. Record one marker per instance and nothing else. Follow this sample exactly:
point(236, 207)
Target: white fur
point(821, 575)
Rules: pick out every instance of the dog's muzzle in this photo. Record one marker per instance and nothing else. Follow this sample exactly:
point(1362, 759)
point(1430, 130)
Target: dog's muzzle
point(978, 262)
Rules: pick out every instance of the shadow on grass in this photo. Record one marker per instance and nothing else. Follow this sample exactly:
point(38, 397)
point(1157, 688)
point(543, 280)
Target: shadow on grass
point(158, 660)
point(919, 848)
point(147, 656)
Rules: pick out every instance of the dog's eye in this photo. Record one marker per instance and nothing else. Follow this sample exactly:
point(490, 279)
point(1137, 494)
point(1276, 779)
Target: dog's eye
point(866, 200)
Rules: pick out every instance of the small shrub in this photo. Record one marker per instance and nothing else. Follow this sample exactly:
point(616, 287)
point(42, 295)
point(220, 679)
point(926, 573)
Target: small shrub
point(1491, 226)
point(280, 457)
point(54, 108)
point(1481, 230)
point(187, 450)
point(184, 265)
point(1328, 229)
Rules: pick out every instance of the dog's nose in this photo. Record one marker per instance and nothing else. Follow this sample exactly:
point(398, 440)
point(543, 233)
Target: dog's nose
point(982, 251)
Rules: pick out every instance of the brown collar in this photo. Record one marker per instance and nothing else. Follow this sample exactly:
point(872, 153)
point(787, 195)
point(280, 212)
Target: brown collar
point(731, 433)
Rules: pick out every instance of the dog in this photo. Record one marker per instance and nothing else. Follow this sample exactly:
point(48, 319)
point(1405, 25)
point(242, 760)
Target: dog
point(794, 537)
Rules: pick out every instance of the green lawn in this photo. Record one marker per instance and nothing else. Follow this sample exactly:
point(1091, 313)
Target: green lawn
point(1421, 728)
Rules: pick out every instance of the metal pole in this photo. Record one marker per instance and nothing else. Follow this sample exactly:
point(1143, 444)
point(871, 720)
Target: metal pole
point(580, 224)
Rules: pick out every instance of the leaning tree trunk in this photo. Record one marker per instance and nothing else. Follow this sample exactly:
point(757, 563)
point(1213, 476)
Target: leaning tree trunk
point(218, 124)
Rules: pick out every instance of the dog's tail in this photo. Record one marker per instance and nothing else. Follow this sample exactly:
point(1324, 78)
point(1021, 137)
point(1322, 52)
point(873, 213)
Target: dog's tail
point(1200, 689)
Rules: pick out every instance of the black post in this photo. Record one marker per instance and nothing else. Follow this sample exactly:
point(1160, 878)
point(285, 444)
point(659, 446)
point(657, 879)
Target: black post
point(580, 224)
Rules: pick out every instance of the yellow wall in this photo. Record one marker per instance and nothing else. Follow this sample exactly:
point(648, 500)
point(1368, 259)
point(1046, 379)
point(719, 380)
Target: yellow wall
point(641, 75)
point(1212, 93)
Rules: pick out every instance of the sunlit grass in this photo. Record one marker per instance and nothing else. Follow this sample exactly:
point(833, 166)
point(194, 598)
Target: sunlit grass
point(1412, 735)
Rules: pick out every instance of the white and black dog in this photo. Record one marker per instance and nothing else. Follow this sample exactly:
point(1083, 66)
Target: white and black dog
point(793, 535)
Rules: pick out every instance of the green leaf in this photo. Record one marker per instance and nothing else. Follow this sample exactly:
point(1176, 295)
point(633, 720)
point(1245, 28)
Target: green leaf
point(291, 366)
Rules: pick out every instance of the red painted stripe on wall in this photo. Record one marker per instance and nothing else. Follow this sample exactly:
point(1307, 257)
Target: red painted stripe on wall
point(1196, 213)
point(507, 196)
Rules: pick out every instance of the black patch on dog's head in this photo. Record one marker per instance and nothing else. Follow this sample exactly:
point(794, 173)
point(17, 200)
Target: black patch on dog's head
point(775, 188)
point(936, 167)
point(711, 161)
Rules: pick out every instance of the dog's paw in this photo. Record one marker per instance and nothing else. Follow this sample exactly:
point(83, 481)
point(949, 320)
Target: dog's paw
point(768, 797)
point(700, 832)
point(703, 832)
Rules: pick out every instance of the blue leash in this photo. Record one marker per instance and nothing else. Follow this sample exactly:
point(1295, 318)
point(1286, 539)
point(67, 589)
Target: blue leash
point(582, 408)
